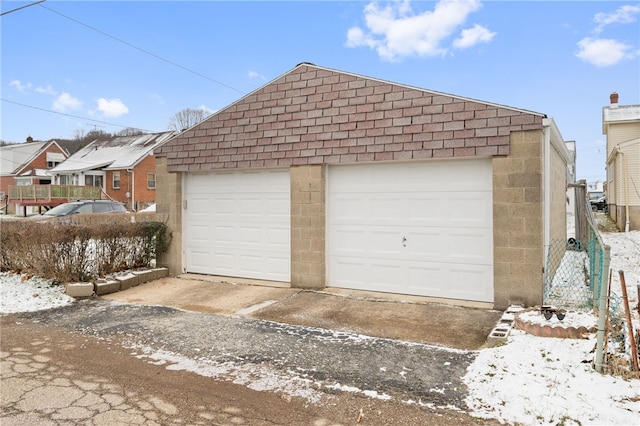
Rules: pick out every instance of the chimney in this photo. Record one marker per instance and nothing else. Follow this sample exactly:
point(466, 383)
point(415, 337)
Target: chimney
point(29, 139)
point(613, 98)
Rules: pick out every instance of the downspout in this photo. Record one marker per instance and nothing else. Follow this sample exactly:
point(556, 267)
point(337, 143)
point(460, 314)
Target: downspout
point(626, 190)
point(132, 182)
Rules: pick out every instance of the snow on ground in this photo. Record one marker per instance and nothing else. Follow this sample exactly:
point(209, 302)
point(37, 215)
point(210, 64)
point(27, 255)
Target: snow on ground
point(528, 380)
point(18, 294)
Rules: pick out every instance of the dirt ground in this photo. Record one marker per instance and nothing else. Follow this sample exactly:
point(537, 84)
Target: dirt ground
point(198, 400)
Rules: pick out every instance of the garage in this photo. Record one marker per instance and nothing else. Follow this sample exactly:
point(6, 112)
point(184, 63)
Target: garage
point(418, 228)
point(237, 224)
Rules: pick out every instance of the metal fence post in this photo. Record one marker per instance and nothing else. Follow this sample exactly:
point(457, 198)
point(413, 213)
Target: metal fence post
point(602, 312)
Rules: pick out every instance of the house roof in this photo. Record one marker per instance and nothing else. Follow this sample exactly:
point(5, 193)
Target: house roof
point(14, 157)
point(619, 114)
point(123, 152)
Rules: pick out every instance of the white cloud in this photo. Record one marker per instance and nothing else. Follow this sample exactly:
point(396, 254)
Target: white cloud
point(28, 87)
point(395, 31)
point(207, 111)
point(112, 107)
point(253, 74)
point(17, 84)
point(603, 52)
point(46, 90)
point(624, 15)
point(157, 98)
point(66, 102)
point(472, 36)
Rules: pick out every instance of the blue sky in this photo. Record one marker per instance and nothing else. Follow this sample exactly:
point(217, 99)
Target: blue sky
point(69, 67)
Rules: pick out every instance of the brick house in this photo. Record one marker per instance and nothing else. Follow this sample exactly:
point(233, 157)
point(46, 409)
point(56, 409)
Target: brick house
point(621, 125)
point(123, 166)
point(27, 164)
point(323, 178)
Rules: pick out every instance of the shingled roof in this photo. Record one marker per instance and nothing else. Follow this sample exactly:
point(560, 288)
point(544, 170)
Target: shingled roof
point(315, 115)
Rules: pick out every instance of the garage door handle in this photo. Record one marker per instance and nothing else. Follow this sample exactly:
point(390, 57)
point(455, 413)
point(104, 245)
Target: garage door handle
point(404, 241)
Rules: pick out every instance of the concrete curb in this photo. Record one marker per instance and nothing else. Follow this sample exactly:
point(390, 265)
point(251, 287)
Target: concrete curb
point(501, 331)
point(119, 283)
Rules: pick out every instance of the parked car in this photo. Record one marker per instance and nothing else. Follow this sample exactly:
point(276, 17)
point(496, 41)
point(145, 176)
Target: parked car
point(82, 207)
point(599, 204)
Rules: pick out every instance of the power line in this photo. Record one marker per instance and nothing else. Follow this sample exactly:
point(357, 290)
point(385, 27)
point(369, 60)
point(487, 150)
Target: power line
point(21, 7)
point(70, 115)
point(143, 50)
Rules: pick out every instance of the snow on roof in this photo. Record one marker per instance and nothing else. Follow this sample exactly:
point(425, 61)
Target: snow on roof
point(13, 156)
point(621, 113)
point(122, 152)
point(35, 172)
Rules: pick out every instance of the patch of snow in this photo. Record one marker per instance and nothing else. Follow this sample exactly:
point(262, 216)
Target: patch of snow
point(20, 293)
point(548, 381)
point(572, 319)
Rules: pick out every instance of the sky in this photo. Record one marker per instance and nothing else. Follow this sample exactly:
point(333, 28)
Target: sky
point(528, 380)
point(70, 67)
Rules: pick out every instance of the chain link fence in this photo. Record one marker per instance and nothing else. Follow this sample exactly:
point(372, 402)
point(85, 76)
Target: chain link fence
point(576, 271)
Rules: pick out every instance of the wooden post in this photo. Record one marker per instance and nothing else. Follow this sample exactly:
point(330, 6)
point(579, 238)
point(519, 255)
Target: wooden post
point(632, 339)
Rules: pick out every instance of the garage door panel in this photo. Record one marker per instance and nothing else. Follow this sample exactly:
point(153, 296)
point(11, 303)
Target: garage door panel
point(423, 228)
point(384, 242)
point(473, 283)
point(200, 233)
point(348, 242)
point(425, 278)
point(426, 245)
point(467, 246)
point(237, 223)
point(387, 276)
point(460, 204)
point(344, 208)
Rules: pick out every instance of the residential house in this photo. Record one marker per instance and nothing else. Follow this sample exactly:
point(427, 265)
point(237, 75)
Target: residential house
point(27, 164)
point(123, 167)
point(621, 125)
point(323, 178)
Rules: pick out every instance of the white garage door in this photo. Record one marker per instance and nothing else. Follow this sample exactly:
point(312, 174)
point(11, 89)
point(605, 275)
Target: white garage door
point(412, 228)
point(237, 223)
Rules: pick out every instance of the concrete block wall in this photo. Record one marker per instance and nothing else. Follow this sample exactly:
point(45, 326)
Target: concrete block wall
point(308, 226)
point(517, 222)
point(169, 204)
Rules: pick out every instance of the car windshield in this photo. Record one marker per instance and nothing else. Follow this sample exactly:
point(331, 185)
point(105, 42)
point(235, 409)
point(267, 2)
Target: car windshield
point(61, 210)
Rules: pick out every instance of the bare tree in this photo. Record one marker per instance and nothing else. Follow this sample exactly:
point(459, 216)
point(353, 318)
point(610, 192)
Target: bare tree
point(186, 118)
point(130, 131)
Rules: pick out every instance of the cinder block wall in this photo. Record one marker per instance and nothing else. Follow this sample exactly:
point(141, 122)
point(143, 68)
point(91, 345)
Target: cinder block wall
point(169, 200)
point(307, 226)
point(517, 219)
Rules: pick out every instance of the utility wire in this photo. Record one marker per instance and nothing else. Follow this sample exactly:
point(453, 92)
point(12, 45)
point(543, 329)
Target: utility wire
point(21, 7)
point(142, 50)
point(71, 115)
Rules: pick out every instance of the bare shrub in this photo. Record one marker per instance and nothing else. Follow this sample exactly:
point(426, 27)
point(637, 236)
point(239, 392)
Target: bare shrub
point(81, 250)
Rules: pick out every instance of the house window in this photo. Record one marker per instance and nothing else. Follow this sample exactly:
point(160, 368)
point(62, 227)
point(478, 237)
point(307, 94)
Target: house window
point(52, 164)
point(64, 179)
point(24, 181)
point(116, 180)
point(93, 180)
point(151, 180)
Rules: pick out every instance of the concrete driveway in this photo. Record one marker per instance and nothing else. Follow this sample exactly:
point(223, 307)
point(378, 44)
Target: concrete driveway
point(405, 318)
